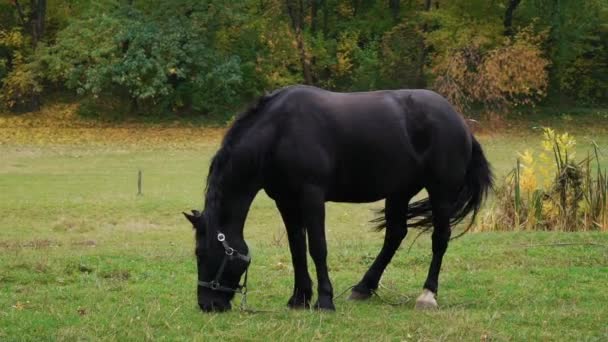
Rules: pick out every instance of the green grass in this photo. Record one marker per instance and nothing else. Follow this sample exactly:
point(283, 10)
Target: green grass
point(82, 257)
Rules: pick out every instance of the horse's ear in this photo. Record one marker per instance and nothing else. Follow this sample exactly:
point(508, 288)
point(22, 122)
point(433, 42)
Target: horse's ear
point(193, 218)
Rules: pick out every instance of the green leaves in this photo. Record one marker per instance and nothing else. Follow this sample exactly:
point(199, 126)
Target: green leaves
point(149, 60)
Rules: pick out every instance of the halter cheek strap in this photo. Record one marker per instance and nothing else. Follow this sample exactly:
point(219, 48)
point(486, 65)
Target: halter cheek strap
point(230, 255)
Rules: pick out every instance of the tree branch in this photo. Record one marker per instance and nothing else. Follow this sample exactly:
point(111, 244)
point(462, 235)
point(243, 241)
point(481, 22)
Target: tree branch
point(20, 12)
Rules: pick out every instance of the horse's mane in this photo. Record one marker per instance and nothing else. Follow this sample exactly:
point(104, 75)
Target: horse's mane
point(221, 162)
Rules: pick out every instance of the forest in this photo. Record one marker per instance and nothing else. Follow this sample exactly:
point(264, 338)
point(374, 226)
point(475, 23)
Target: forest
point(212, 57)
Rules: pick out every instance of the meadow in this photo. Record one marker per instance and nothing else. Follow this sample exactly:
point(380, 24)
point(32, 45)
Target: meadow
point(84, 257)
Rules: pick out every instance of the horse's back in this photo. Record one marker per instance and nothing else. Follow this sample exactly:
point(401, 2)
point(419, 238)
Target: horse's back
point(364, 146)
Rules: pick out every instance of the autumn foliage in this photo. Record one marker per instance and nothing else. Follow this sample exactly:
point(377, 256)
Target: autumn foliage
point(213, 57)
point(512, 74)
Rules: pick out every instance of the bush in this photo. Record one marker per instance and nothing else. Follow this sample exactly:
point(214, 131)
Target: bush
point(20, 80)
point(503, 77)
point(21, 89)
point(159, 65)
point(552, 191)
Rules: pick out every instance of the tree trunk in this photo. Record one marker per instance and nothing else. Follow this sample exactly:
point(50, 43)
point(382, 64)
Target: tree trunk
point(303, 59)
point(508, 22)
point(314, 7)
point(296, 15)
point(420, 81)
point(395, 6)
point(325, 18)
point(34, 24)
point(36, 20)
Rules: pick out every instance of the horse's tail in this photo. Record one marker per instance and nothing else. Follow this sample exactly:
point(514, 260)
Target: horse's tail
point(478, 181)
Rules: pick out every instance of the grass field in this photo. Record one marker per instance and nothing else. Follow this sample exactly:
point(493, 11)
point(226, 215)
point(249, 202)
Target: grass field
point(82, 257)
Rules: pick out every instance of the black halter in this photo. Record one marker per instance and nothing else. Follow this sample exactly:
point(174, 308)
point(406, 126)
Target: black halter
point(231, 254)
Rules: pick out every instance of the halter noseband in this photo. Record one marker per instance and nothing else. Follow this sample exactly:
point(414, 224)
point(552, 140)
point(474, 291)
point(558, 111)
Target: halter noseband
point(230, 254)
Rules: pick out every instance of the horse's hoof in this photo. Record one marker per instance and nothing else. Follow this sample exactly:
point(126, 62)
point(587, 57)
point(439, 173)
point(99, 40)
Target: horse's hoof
point(426, 301)
point(325, 304)
point(356, 295)
point(297, 304)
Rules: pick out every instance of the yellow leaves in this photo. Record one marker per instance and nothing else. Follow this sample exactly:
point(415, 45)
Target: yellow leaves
point(549, 209)
point(547, 171)
point(548, 137)
point(544, 167)
point(60, 125)
point(527, 158)
point(509, 75)
point(19, 306)
point(343, 64)
point(347, 46)
point(12, 39)
point(277, 65)
point(224, 38)
point(345, 9)
point(528, 181)
point(563, 143)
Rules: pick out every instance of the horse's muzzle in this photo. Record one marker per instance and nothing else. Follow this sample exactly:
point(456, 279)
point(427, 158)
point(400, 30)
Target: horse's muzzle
point(215, 305)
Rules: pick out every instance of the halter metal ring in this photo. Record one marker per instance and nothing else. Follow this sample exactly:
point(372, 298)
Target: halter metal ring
point(221, 237)
point(229, 251)
point(214, 285)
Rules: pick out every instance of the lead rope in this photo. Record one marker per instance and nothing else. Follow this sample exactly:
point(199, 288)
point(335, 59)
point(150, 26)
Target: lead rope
point(405, 299)
point(243, 306)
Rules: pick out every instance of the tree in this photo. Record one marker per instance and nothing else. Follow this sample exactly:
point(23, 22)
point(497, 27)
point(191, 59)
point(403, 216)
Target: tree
point(33, 20)
point(295, 10)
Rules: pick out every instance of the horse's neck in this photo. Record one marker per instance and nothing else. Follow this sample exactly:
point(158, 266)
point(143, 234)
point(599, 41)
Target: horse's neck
point(234, 181)
point(228, 201)
point(238, 209)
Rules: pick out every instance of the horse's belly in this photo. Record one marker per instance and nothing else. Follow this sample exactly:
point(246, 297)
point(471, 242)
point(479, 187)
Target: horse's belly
point(349, 197)
point(368, 185)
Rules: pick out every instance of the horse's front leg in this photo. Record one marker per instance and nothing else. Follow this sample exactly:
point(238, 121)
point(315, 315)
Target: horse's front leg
point(313, 212)
point(296, 234)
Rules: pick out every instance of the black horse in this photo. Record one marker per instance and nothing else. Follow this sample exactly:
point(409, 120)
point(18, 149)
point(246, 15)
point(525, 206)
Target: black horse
point(305, 146)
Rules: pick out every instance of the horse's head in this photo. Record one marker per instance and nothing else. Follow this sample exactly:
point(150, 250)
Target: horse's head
point(221, 261)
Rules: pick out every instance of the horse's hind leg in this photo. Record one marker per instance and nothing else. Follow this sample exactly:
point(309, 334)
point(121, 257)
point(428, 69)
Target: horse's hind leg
point(396, 230)
point(441, 236)
point(296, 234)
